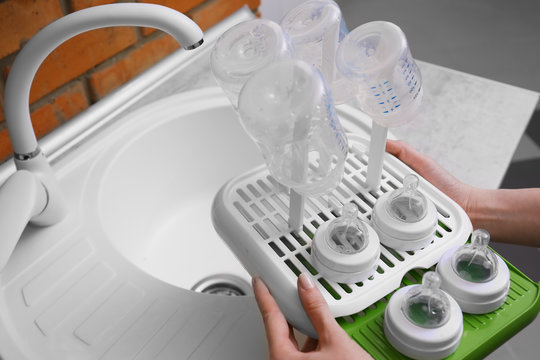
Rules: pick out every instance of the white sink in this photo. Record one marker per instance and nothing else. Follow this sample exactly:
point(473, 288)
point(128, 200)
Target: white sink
point(112, 280)
point(152, 189)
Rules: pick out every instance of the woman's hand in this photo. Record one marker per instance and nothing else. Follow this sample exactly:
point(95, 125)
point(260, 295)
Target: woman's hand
point(333, 343)
point(430, 170)
point(510, 215)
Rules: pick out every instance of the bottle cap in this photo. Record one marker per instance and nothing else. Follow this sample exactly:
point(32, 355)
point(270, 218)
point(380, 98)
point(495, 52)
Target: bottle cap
point(422, 321)
point(405, 219)
point(476, 277)
point(346, 249)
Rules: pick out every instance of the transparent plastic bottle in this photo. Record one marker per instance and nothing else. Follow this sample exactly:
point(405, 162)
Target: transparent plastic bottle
point(244, 49)
point(475, 262)
point(315, 28)
point(288, 111)
point(376, 56)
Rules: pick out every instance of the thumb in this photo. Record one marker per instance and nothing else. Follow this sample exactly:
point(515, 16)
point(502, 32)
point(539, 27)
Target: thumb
point(316, 308)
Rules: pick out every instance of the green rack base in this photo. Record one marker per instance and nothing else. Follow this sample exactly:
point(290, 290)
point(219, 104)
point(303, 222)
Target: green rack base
point(482, 334)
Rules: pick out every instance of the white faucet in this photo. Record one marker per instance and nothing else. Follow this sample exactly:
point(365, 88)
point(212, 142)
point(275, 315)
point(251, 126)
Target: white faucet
point(32, 193)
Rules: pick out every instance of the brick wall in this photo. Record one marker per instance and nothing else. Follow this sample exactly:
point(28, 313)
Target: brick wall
point(91, 65)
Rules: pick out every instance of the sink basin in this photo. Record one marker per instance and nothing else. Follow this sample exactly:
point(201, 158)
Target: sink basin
point(113, 280)
point(151, 191)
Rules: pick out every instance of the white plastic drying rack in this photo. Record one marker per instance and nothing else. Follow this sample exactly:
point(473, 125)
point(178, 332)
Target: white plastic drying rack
point(250, 213)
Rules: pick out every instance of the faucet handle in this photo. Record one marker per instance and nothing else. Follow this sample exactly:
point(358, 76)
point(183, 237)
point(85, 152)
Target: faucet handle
point(55, 208)
point(22, 197)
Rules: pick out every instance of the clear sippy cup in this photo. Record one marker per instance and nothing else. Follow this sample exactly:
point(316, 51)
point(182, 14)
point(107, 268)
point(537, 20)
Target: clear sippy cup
point(404, 218)
point(376, 57)
point(288, 111)
point(475, 276)
point(346, 249)
point(316, 27)
point(244, 49)
point(422, 321)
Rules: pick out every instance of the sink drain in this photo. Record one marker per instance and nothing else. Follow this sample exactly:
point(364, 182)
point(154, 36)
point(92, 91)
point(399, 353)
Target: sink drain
point(223, 284)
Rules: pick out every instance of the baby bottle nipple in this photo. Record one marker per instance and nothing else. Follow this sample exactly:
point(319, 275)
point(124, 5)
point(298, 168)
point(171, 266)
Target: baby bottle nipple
point(408, 204)
point(474, 275)
point(475, 262)
point(423, 321)
point(346, 249)
point(405, 219)
point(348, 235)
point(427, 306)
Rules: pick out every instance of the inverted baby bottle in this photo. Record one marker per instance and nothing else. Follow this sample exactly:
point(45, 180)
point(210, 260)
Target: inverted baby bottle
point(288, 111)
point(315, 28)
point(404, 218)
point(244, 49)
point(346, 249)
point(376, 57)
point(422, 321)
point(474, 275)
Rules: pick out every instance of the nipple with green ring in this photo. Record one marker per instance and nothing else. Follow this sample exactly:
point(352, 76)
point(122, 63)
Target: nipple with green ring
point(475, 262)
point(426, 305)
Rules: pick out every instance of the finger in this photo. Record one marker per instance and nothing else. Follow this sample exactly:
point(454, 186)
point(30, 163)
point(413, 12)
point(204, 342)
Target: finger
point(316, 308)
point(277, 328)
point(403, 151)
point(292, 338)
point(410, 156)
point(310, 345)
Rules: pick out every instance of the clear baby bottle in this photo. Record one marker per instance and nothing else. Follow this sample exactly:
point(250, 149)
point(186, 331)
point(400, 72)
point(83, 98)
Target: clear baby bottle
point(422, 321)
point(288, 111)
point(244, 49)
point(315, 28)
point(474, 275)
point(404, 218)
point(376, 57)
point(346, 249)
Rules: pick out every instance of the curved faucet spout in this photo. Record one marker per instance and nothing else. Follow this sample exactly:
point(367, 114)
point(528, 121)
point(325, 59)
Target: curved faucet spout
point(21, 198)
point(18, 84)
point(28, 156)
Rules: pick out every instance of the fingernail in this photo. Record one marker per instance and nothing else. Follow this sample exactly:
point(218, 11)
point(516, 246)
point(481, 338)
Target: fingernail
point(305, 282)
